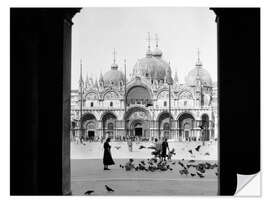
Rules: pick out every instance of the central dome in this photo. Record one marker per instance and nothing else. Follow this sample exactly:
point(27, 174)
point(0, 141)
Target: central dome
point(151, 66)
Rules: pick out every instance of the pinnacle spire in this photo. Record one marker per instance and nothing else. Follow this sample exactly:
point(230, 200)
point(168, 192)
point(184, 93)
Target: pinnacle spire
point(114, 56)
point(198, 63)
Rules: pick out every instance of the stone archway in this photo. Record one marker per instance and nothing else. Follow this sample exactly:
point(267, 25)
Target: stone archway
point(186, 127)
point(164, 120)
point(109, 125)
point(138, 119)
point(205, 127)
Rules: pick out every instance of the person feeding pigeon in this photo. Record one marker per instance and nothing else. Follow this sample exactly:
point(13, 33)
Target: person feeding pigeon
point(107, 157)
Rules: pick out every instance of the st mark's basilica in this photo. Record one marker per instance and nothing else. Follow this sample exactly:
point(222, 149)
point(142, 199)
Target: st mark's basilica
point(151, 103)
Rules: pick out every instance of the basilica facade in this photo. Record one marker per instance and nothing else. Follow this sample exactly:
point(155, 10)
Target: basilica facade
point(150, 104)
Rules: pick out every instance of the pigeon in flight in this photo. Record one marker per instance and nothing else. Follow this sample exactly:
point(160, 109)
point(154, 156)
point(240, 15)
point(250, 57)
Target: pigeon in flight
point(109, 189)
point(117, 147)
point(198, 148)
point(88, 192)
point(207, 154)
point(141, 147)
point(190, 151)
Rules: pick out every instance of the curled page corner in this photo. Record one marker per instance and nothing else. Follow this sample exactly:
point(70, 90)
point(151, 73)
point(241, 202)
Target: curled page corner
point(248, 185)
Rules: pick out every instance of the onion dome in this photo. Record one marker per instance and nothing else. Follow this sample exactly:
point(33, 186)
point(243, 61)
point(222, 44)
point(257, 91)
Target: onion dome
point(113, 76)
point(198, 73)
point(152, 66)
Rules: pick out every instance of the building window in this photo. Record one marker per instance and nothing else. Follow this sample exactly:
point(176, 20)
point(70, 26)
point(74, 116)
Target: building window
point(165, 103)
point(111, 104)
point(92, 104)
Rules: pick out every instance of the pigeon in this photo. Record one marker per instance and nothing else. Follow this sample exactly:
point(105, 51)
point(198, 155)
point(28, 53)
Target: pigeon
point(173, 163)
point(171, 169)
point(198, 148)
point(109, 189)
point(193, 174)
point(143, 162)
point(120, 166)
point(88, 192)
point(216, 174)
point(200, 175)
point(117, 147)
point(190, 151)
point(181, 164)
point(191, 161)
point(207, 154)
point(184, 171)
point(141, 147)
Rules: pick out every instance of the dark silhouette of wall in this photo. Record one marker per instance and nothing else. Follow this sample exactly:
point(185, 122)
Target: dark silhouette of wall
point(40, 89)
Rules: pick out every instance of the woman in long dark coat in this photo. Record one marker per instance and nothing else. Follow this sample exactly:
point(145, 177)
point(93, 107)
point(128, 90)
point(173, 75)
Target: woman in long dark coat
point(107, 157)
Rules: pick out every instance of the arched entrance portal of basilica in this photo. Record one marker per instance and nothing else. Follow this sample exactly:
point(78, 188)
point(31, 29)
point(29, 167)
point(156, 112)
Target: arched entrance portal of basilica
point(205, 128)
point(137, 123)
point(164, 128)
point(89, 124)
point(186, 127)
point(109, 125)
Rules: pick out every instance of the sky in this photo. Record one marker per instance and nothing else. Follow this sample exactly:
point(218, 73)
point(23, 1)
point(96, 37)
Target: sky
point(96, 32)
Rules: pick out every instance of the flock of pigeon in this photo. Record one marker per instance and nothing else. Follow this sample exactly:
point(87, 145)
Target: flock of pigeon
point(187, 167)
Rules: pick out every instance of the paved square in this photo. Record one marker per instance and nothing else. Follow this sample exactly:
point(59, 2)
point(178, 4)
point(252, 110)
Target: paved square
point(88, 174)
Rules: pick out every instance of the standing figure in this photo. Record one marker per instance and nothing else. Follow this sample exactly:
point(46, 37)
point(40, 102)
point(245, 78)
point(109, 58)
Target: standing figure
point(165, 146)
point(107, 157)
point(129, 142)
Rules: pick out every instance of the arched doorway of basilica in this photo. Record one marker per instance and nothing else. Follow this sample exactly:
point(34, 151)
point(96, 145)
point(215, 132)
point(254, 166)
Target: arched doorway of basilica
point(205, 127)
point(109, 125)
point(89, 123)
point(186, 127)
point(164, 128)
point(137, 123)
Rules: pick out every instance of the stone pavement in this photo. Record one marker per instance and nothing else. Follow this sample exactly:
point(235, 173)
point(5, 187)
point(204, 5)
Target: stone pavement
point(88, 174)
point(87, 171)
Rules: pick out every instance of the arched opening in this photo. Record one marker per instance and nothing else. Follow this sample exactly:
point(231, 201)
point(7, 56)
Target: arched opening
point(186, 127)
point(139, 95)
point(109, 125)
point(137, 123)
point(88, 127)
point(164, 128)
point(205, 134)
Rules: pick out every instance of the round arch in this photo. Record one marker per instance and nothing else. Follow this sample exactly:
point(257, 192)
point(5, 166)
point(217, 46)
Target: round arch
point(88, 116)
point(109, 124)
point(187, 93)
point(186, 126)
point(89, 123)
point(109, 93)
point(136, 109)
point(205, 127)
point(139, 94)
point(163, 120)
point(91, 95)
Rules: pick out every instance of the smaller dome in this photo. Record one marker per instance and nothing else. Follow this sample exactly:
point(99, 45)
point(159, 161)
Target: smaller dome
point(198, 73)
point(157, 52)
point(113, 77)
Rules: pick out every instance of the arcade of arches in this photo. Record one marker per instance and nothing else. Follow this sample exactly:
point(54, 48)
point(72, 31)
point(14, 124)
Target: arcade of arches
point(139, 124)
